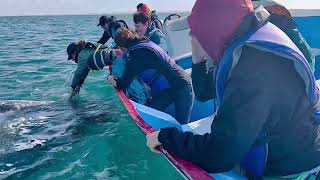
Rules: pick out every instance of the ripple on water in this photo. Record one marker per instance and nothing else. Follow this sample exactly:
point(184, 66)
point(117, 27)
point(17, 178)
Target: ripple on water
point(90, 137)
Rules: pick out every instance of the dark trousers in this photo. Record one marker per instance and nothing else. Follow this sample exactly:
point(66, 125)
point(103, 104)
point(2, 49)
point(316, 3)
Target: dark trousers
point(182, 99)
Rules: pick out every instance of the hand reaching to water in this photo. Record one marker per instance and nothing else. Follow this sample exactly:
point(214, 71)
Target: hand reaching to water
point(75, 91)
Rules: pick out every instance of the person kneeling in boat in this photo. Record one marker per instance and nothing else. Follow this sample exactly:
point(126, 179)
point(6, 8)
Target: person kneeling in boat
point(143, 54)
point(267, 122)
point(81, 52)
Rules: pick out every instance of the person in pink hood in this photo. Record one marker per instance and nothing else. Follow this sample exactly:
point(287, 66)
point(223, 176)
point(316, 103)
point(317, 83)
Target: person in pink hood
point(265, 90)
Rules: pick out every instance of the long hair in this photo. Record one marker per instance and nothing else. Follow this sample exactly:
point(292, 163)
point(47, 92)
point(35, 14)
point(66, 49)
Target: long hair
point(125, 38)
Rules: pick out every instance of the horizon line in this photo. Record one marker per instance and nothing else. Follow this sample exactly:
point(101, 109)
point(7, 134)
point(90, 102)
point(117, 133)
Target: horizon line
point(295, 12)
point(92, 14)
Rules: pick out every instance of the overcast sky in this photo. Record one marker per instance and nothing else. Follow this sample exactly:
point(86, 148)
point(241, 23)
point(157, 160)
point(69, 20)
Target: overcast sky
point(55, 7)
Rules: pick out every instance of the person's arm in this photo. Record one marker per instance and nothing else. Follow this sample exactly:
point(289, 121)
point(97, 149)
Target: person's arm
point(105, 37)
point(203, 82)
point(134, 66)
point(238, 123)
point(81, 71)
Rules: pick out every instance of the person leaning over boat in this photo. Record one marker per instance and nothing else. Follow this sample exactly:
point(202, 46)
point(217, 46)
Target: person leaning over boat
point(152, 14)
point(266, 93)
point(143, 54)
point(81, 52)
point(279, 16)
point(144, 27)
point(282, 18)
point(110, 26)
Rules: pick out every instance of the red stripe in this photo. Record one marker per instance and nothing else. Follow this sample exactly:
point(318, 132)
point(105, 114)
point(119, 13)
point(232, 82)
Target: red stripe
point(190, 170)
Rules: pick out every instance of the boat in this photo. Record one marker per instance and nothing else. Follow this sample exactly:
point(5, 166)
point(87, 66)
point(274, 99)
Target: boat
point(149, 120)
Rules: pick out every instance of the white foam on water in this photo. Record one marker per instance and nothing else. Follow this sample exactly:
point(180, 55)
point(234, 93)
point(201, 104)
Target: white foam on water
point(28, 145)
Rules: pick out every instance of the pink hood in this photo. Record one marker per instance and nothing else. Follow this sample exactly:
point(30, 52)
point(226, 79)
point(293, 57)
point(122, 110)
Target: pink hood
point(213, 22)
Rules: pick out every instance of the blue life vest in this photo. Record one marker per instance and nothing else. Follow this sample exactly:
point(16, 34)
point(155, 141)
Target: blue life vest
point(157, 82)
point(268, 38)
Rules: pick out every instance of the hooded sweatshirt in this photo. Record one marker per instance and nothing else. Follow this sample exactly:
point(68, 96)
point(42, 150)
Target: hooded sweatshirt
point(263, 94)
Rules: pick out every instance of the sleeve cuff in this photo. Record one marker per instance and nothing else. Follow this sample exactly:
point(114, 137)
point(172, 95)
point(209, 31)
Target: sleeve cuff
point(165, 135)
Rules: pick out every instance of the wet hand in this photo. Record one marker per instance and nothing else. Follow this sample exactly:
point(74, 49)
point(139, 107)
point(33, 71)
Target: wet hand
point(111, 80)
point(75, 91)
point(153, 142)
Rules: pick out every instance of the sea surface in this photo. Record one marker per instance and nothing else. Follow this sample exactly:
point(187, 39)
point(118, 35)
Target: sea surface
point(90, 137)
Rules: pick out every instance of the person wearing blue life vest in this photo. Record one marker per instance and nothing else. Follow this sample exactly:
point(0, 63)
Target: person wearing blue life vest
point(143, 54)
point(267, 123)
point(279, 16)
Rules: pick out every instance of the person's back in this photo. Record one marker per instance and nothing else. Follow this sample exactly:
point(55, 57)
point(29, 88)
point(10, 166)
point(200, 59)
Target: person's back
point(282, 18)
point(287, 103)
point(82, 68)
point(82, 52)
point(144, 27)
point(110, 26)
point(174, 74)
point(145, 55)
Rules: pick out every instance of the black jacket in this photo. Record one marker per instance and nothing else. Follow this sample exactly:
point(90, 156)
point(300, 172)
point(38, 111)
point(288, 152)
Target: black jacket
point(110, 34)
point(142, 59)
point(263, 94)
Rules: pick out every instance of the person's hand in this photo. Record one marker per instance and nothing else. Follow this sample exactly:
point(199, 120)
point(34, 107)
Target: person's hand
point(111, 80)
point(153, 142)
point(75, 91)
point(198, 53)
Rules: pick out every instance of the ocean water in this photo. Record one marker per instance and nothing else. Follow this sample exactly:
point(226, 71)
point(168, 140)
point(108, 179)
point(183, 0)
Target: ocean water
point(310, 28)
point(90, 137)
